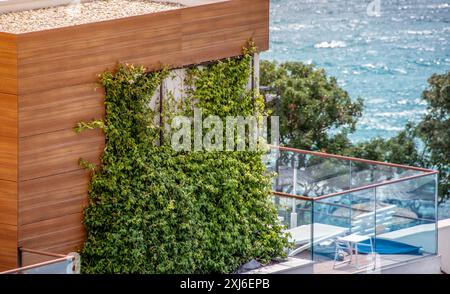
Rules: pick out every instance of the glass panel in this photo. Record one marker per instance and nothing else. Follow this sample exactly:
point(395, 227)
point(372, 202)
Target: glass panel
point(285, 173)
point(306, 175)
point(362, 230)
point(318, 176)
point(296, 216)
point(363, 212)
point(407, 228)
point(332, 219)
point(364, 174)
point(62, 267)
point(444, 209)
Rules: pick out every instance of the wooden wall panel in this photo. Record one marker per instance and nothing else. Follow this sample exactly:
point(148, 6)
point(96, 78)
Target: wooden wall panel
point(48, 56)
point(103, 55)
point(37, 50)
point(8, 246)
point(8, 202)
point(8, 158)
point(53, 232)
point(8, 151)
point(8, 85)
point(58, 152)
point(8, 115)
point(8, 63)
point(57, 195)
point(60, 109)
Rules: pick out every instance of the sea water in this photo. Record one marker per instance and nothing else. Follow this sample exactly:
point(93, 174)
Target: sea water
point(384, 57)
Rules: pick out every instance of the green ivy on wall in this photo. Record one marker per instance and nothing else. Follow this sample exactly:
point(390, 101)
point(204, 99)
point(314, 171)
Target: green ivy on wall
point(154, 210)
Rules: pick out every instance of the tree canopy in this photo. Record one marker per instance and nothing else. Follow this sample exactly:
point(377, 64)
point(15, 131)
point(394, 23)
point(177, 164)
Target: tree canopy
point(312, 105)
point(434, 129)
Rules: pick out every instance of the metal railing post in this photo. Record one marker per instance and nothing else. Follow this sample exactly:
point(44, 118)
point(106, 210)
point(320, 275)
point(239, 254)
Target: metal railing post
point(436, 214)
point(312, 229)
point(294, 190)
point(350, 195)
point(375, 231)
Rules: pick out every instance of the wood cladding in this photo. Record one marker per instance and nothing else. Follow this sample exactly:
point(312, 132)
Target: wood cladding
point(45, 112)
point(8, 115)
point(8, 159)
point(8, 151)
point(8, 246)
point(8, 64)
point(58, 195)
point(57, 152)
point(52, 232)
point(48, 83)
point(8, 203)
point(175, 38)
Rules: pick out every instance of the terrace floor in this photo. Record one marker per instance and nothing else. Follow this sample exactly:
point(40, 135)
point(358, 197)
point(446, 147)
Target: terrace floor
point(325, 265)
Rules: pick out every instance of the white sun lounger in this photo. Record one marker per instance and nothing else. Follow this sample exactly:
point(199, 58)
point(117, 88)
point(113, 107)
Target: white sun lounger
point(322, 232)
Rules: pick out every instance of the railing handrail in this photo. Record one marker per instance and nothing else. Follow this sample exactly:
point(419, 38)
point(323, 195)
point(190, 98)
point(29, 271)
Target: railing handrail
point(366, 187)
point(363, 210)
point(348, 158)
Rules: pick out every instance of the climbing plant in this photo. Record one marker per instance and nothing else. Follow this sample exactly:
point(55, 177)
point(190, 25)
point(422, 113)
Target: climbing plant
point(155, 210)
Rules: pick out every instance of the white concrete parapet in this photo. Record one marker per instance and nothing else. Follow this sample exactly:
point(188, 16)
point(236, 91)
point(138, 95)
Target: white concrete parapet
point(444, 244)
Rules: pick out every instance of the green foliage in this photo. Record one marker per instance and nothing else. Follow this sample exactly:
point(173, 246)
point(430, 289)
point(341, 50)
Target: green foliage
point(83, 126)
point(312, 105)
point(154, 210)
point(87, 165)
point(401, 149)
point(434, 129)
point(221, 89)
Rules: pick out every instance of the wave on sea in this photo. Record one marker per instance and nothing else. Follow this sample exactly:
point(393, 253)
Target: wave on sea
point(331, 44)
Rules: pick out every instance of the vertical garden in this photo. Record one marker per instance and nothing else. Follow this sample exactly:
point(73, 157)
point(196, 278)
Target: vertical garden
point(156, 210)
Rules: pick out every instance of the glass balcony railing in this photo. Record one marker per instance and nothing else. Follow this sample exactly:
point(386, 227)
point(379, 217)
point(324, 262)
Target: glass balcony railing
point(337, 207)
